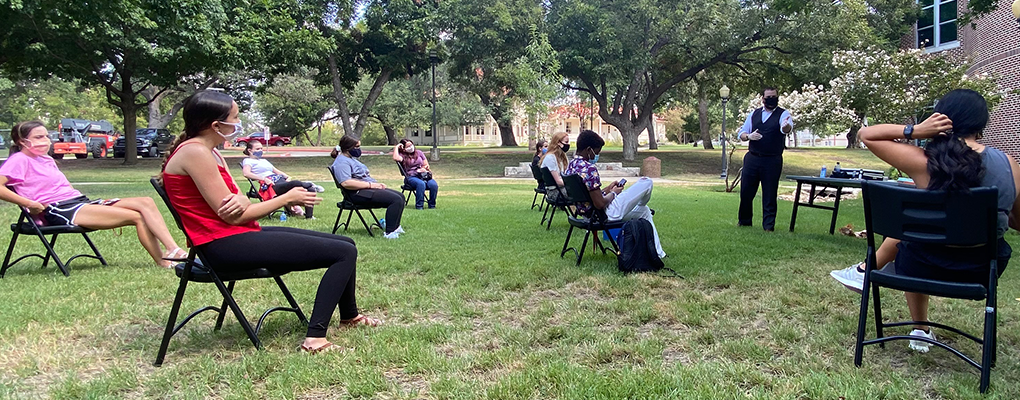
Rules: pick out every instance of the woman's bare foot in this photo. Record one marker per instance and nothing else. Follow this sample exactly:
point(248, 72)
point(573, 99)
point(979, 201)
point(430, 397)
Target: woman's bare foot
point(361, 319)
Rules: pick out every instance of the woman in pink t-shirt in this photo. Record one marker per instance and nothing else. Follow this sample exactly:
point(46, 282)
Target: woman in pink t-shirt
point(45, 192)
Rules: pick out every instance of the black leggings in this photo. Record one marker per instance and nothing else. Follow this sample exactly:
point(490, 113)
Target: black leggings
point(290, 249)
point(286, 186)
point(379, 198)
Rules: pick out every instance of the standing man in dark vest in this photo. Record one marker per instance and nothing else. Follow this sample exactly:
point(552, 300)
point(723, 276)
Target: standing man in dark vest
point(766, 129)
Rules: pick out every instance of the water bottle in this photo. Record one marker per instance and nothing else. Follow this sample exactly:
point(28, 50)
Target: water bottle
point(836, 169)
point(283, 216)
point(382, 223)
point(822, 175)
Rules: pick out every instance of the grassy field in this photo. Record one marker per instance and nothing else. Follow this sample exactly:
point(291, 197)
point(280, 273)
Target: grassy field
point(478, 304)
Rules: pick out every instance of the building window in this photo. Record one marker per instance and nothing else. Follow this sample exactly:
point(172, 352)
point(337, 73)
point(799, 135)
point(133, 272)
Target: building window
point(414, 132)
point(568, 127)
point(936, 28)
point(479, 131)
point(428, 133)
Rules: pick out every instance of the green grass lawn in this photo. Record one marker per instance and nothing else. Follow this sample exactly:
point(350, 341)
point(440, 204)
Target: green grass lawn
point(477, 303)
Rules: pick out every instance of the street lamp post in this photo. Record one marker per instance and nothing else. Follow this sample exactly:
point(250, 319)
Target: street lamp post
point(434, 59)
point(724, 92)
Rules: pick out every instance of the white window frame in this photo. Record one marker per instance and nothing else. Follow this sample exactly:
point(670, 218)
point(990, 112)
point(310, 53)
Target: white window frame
point(937, 44)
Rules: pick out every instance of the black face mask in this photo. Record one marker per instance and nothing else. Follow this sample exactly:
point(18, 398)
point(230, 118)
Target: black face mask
point(565, 147)
point(355, 153)
point(771, 102)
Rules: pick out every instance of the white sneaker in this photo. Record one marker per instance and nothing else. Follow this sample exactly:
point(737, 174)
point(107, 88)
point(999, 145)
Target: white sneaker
point(850, 277)
point(400, 229)
point(919, 345)
point(318, 189)
point(392, 235)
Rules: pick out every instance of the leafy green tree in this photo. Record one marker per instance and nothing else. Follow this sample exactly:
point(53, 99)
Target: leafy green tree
point(630, 54)
point(499, 51)
point(50, 100)
point(291, 104)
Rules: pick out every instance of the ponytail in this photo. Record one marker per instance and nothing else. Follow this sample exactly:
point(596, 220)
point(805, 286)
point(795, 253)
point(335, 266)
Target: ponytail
point(199, 112)
point(952, 164)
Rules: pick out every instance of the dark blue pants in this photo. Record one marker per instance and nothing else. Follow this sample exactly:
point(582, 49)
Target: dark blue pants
point(766, 171)
point(419, 191)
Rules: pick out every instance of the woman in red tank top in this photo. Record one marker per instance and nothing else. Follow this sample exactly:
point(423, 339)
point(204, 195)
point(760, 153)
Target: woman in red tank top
point(222, 222)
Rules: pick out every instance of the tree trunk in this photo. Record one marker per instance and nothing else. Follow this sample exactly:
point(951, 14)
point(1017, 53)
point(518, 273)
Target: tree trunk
point(853, 141)
point(340, 97)
point(630, 142)
point(653, 144)
point(391, 135)
point(130, 111)
point(373, 95)
point(506, 129)
point(706, 136)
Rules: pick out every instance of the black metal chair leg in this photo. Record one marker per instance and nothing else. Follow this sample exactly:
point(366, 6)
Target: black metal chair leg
point(172, 319)
point(879, 331)
point(567, 241)
point(238, 314)
point(94, 249)
point(53, 253)
point(223, 307)
point(862, 320)
point(551, 215)
point(534, 200)
point(52, 245)
point(362, 218)
point(584, 244)
point(336, 224)
point(7, 258)
point(290, 299)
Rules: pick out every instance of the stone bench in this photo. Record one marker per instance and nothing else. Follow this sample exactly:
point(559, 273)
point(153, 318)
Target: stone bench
point(606, 170)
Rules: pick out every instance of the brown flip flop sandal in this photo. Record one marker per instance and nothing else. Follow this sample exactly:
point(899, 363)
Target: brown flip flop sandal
point(361, 319)
point(326, 348)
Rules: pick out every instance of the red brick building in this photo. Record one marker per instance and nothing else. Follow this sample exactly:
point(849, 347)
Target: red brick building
point(993, 45)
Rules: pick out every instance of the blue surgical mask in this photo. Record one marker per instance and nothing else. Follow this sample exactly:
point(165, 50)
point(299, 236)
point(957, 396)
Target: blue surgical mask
point(257, 153)
point(355, 153)
point(596, 159)
point(545, 150)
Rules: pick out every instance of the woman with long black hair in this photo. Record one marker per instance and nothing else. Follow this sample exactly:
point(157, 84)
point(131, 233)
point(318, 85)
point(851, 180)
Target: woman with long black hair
point(952, 160)
point(219, 219)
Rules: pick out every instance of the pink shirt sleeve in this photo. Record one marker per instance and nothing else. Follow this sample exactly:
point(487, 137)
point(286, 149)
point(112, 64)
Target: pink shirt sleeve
point(15, 168)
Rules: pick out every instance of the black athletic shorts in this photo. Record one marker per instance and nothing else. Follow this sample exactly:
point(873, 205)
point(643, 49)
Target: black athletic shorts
point(63, 212)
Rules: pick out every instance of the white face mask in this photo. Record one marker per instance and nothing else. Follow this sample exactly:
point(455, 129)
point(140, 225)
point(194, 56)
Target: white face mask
point(230, 136)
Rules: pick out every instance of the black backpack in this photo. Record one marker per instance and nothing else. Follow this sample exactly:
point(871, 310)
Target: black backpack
point(637, 248)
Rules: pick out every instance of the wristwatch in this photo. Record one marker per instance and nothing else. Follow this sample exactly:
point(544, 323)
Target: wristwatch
point(908, 131)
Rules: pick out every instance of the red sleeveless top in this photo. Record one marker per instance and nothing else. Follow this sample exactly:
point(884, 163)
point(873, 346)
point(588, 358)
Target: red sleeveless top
point(200, 221)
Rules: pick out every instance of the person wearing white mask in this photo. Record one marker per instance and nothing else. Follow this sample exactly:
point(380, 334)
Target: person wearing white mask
point(47, 195)
point(260, 170)
point(419, 175)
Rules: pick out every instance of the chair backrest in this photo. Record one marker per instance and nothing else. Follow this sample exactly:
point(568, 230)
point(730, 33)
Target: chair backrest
point(535, 172)
point(955, 218)
point(156, 184)
point(550, 181)
point(400, 166)
point(578, 194)
point(343, 191)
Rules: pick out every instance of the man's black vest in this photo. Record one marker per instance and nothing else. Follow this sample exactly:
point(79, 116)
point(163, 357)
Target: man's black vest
point(772, 141)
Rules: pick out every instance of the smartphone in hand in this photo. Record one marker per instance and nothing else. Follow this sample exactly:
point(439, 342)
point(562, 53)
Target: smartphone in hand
point(622, 182)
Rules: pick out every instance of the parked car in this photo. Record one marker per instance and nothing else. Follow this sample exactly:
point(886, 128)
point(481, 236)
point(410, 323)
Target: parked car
point(3, 144)
point(273, 140)
point(150, 142)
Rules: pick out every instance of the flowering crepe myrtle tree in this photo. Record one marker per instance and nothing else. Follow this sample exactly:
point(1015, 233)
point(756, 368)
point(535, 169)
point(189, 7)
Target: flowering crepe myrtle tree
point(874, 85)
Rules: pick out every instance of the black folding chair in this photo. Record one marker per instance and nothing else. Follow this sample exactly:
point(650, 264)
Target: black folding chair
point(352, 208)
point(965, 219)
point(555, 197)
point(192, 270)
point(538, 190)
point(26, 225)
point(592, 224)
point(405, 188)
point(253, 192)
